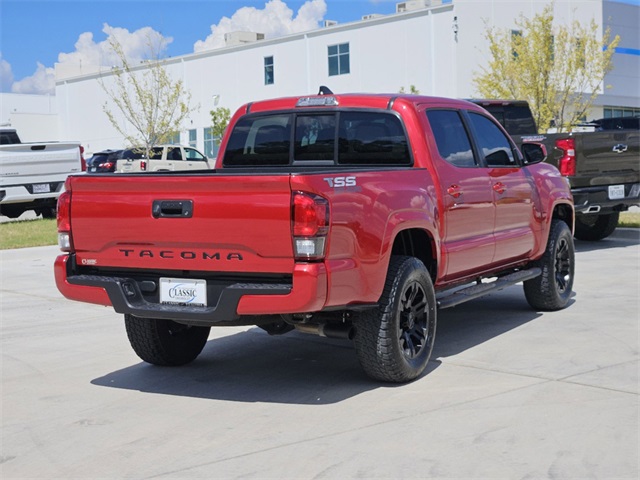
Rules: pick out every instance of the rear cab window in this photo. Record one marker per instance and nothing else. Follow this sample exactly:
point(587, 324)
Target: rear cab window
point(336, 137)
point(516, 117)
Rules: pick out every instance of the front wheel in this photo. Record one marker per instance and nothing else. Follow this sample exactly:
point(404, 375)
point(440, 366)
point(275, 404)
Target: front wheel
point(165, 342)
point(552, 289)
point(394, 341)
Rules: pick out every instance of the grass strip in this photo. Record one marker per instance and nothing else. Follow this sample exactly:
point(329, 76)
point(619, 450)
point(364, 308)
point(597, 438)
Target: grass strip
point(28, 233)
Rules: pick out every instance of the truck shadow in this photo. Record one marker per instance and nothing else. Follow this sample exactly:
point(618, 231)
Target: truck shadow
point(252, 366)
point(297, 368)
point(474, 323)
point(620, 238)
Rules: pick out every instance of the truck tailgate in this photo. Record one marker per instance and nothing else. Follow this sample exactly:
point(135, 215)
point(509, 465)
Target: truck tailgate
point(226, 223)
point(38, 162)
point(607, 158)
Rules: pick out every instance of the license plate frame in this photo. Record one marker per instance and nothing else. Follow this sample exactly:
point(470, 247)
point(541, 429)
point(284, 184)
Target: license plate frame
point(616, 192)
point(41, 188)
point(183, 291)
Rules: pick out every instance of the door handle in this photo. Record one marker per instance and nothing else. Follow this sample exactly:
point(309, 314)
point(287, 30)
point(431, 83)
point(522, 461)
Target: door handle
point(499, 187)
point(454, 191)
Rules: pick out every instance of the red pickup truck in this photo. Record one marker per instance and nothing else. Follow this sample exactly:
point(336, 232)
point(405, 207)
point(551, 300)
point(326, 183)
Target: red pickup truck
point(352, 216)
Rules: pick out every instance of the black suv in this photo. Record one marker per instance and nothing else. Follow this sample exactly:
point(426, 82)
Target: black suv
point(104, 161)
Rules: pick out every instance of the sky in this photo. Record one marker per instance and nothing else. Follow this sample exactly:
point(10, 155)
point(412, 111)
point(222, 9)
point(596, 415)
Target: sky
point(37, 34)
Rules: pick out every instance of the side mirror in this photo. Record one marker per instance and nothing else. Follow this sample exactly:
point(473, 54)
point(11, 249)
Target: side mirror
point(533, 153)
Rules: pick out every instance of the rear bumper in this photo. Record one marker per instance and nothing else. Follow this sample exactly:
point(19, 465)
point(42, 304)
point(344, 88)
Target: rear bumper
point(593, 200)
point(307, 292)
point(27, 193)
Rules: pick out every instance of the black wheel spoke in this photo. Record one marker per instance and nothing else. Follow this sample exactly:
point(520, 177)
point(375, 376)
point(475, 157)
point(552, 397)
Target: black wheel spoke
point(413, 320)
point(563, 265)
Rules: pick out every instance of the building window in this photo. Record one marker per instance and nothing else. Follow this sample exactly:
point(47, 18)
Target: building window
point(173, 138)
point(610, 112)
point(193, 138)
point(210, 143)
point(516, 38)
point(338, 59)
point(268, 71)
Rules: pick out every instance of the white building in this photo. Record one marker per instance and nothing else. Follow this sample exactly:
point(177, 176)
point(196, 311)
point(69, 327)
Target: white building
point(435, 46)
point(35, 117)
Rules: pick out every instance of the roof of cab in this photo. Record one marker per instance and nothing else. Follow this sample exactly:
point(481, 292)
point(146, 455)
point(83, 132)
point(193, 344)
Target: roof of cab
point(351, 100)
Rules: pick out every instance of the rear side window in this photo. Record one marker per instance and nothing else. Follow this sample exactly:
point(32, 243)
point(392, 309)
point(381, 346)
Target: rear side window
point(451, 137)
point(299, 138)
point(174, 153)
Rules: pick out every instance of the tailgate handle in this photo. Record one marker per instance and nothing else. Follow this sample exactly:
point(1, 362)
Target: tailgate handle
point(172, 208)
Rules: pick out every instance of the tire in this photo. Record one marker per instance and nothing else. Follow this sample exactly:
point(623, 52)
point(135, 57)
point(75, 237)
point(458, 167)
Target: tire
point(394, 341)
point(552, 290)
point(165, 342)
point(12, 211)
point(596, 227)
point(47, 212)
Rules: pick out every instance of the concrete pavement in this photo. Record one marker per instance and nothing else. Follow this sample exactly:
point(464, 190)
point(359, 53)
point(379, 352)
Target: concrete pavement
point(510, 394)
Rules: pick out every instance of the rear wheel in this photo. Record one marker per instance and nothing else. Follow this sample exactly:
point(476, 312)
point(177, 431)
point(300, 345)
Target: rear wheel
point(165, 342)
point(47, 212)
point(552, 289)
point(596, 227)
point(394, 341)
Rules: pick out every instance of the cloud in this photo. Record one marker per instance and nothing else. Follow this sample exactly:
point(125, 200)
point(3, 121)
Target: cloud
point(274, 20)
point(6, 75)
point(89, 54)
point(41, 82)
point(137, 46)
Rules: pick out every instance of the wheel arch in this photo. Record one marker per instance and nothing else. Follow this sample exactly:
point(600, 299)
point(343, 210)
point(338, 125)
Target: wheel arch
point(418, 243)
point(566, 213)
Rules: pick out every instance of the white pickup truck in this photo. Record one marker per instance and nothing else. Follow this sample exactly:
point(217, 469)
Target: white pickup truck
point(32, 175)
point(163, 158)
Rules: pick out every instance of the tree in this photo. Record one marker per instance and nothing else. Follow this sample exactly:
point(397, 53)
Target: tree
point(220, 117)
point(152, 103)
point(412, 90)
point(559, 71)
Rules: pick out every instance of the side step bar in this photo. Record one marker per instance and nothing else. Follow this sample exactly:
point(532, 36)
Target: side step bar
point(480, 289)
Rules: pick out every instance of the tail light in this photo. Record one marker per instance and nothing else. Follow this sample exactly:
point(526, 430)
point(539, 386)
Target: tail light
point(143, 165)
point(83, 162)
point(567, 163)
point(108, 166)
point(310, 225)
point(64, 218)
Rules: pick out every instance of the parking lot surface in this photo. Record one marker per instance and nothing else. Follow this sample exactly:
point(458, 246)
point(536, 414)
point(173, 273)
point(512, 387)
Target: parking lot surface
point(510, 393)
